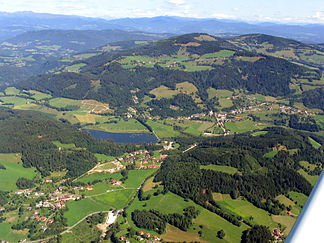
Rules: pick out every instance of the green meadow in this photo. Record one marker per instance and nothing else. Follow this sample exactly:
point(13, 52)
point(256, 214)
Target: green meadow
point(12, 91)
point(222, 168)
point(162, 130)
point(64, 145)
point(242, 126)
point(98, 176)
point(209, 221)
point(7, 234)
point(121, 126)
point(314, 143)
point(79, 209)
point(14, 170)
point(116, 199)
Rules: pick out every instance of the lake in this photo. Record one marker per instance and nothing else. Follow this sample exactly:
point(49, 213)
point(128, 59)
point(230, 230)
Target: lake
point(124, 137)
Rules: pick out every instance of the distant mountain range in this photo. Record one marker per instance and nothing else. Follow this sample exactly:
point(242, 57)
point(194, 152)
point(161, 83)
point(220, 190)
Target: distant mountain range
point(36, 52)
point(12, 24)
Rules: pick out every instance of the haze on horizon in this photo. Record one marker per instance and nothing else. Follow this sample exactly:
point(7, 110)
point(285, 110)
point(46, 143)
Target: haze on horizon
point(287, 11)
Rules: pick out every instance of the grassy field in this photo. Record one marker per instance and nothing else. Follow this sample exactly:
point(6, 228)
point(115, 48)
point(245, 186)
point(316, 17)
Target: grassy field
point(221, 53)
point(271, 154)
point(86, 118)
point(106, 166)
point(16, 101)
point(299, 198)
point(320, 120)
point(100, 187)
point(162, 131)
point(259, 133)
point(79, 209)
point(121, 126)
point(104, 158)
point(81, 233)
point(64, 102)
point(39, 95)
point(312, 179)
point(314, 143)
point(116, 199)
point(307, 166)
point(75, 67)
point(149, 184)
point(183, 87)
point(225, 103)
point(99, 176)
point(242, 126)
point(7, 234)
point(164, 92)
point(220, 93)
point(222, 168)
point(172, 62)
point(64, 145)
point(173, 234)
point(285, 220)
point(285, 200)
point(210, 222)
point(12, 91)
point(246, 210)
point(13, 171)
point(195, 128)
point(137, 177)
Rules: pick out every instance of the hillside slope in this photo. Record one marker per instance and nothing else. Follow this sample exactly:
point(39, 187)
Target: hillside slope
point(281, 47)
point(202, 60)
point(37, 52)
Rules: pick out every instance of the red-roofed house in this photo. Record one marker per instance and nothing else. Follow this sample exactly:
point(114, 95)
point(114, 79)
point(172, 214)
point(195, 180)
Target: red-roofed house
point(116, 182)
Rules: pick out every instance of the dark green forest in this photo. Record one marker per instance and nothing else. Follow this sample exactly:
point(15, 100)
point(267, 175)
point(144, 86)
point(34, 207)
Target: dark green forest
point(32, 135)
point(261, 178)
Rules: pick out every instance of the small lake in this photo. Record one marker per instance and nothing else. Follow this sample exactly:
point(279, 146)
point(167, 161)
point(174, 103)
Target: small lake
point(123, 137)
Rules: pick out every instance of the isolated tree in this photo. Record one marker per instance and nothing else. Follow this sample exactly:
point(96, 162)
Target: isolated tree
point(221, 234)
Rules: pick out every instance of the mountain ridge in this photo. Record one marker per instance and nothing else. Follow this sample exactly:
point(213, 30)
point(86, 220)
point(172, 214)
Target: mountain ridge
point(15, 23)
point(203, 60)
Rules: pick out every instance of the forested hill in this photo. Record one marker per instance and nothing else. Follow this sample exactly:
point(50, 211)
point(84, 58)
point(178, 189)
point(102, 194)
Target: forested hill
point(34, 136)
point(281, 47)
point(260, 179)
point(200, 59)
point(37, 52)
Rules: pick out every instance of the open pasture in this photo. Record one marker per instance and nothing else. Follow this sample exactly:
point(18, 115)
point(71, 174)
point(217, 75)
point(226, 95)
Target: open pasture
point(14, 170)
point(222, 168)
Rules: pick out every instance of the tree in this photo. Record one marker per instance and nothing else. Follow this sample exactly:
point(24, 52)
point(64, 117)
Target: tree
point(257, 234)
point(221, 234)
point(24, 183)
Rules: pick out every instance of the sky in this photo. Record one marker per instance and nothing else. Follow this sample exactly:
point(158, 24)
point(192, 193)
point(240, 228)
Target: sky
point(289, 11)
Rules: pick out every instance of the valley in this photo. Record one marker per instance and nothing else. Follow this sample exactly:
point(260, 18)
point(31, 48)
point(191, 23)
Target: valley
point(238, 142)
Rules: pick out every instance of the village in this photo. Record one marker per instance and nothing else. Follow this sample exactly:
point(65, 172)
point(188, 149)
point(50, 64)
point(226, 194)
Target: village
point(46, 202)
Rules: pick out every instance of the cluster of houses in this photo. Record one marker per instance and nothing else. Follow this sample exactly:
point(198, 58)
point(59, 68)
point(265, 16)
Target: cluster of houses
point(41, 218)
point(141, 236)
point(292, 110)
point(26, 192)
point(142, 158)
point(57, 200)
